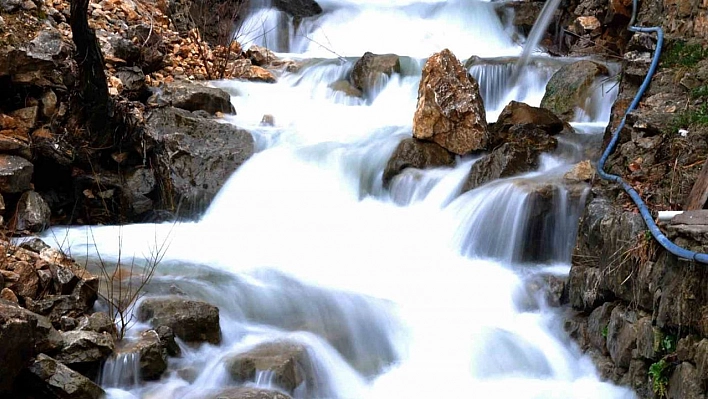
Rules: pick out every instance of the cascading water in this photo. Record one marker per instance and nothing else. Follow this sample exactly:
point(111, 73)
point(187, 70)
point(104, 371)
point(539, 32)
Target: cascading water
point(415, 290)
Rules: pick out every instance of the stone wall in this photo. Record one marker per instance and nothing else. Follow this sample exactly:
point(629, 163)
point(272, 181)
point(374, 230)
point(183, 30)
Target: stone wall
point(638, 311)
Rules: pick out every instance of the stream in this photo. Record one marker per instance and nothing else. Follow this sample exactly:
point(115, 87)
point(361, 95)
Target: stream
point(412, 291)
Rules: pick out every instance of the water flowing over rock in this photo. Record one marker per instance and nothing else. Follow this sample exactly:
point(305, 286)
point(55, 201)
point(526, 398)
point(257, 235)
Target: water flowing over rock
point(450, 110)
point(518, 155)
point(85, 347)
point(193, 97)
point(570, 86)
point(196, 156)
point(192, 321)
point(33, 213)
point(299, 8)
point(370, 69)
point(250, 393)
point(153, 356)
point(288, 363)
point(515, 114)
point(414, 153)
point(49, 378)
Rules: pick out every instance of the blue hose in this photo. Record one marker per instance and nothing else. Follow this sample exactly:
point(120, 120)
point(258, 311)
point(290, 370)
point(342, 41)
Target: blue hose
point(653, 228)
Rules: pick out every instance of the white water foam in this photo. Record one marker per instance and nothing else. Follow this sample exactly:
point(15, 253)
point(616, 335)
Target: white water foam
point(411, 291)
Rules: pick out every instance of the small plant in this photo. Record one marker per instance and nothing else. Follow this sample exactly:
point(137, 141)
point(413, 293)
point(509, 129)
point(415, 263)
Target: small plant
point(684, 54)
point(668, 344)
point(696, 116)
point(604, 331)
point(659, 374)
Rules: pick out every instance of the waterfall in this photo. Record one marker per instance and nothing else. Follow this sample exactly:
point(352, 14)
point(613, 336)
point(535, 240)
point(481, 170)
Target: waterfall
point(413, 290)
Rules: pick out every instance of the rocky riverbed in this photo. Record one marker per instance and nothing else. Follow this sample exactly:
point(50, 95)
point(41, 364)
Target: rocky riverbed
point(636, 310)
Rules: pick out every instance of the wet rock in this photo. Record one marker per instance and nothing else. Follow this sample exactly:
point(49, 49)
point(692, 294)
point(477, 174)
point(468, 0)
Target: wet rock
point(8, 295)
point(167, 339)
point(701, 358)
point(518, 155)
point(287, 361)
point(191, 321)
point(49, 103)
point(15, 174)
point(49, 378)
point(141, 181)
point(153, 357)
point(260, 56)
point(27, 283)
point(370, 69)
point(584, 289)
point(581, 172)
point(133, 81)
point(26, 118)
point(648, 337)
point(515, 114)
point(33, 213)
point(99, 322)
point(598, 323)
point(344, 86)
point(687, 348)
point(570, 86)
point(121, 48)
point(298, 8)
point(249, 393)
point(85, 347)
point(56, 306)
point(193, 97)
point(414, 153)
point(152, 52)
point(621, 335)
point(684, 383)
point(524, 13)
point(450, 110)
point(67, 323)
point(17, 331)
point(197, 156)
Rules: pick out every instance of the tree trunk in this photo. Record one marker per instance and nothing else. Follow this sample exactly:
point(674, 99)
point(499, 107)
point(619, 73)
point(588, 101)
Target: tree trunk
point(95, 105)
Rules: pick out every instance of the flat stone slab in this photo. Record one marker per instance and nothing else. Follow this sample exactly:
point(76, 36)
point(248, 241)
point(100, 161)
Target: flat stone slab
point(692, 218)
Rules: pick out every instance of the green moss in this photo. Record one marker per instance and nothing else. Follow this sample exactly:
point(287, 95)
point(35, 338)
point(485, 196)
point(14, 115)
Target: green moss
point(683, 54)
point(700, 92)
point(694, 117)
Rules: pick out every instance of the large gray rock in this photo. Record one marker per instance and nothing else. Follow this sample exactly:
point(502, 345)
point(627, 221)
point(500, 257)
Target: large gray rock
point(288, 362)
point(370, 69)
point(684, 383)
point(570, 86)
point(414, 153)
point(48, 378)
point(193, 97)
point(33, 213)
point(192, 321)
point(196, 156)
point(450, 110)
point(17, 332)
point(518, 155)
point(15, 174)
point(85, 347)
point(598, 323)
point(153, 356)
point(299, 8)
point(249, 393)
point(622, 335)
point(43, 62)
point(515, 114)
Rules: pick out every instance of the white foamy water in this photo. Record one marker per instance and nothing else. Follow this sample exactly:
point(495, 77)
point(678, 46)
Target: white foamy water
point(416, 290)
